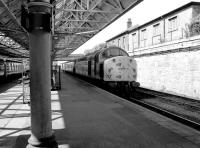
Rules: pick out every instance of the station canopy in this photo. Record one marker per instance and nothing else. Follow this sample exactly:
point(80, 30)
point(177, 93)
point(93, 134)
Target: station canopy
point(74, 23)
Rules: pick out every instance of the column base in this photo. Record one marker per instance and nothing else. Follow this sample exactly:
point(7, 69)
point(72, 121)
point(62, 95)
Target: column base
point(48, 142)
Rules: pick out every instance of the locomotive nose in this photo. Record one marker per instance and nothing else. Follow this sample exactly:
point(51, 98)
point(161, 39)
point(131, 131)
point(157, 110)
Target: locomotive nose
point(121, 68)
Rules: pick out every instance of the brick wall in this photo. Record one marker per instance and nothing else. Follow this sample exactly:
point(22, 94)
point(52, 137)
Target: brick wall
point(175, 71)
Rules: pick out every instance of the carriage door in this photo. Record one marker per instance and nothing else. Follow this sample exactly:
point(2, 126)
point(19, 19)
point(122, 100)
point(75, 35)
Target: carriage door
point(96, 60)
point(5, 68)
point(89, 67)
point(101, 71)
point(74, 68)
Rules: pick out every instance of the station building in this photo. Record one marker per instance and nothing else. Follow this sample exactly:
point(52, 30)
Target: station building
point(166, 50)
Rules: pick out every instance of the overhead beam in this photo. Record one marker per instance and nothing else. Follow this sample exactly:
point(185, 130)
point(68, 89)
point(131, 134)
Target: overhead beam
point(78, 4)
point(120, 4)
point(62, 48)
point(88, 4)
point(75, 33)
point(11, 15)
point(3, 28)
point(91, 21)
point(79, 28)
point(91, 11)
point(87, 16)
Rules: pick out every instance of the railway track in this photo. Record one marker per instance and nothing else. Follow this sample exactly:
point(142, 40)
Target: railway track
point(171, 115)
point(167, 113)
point(172, 99)
point(193, 104)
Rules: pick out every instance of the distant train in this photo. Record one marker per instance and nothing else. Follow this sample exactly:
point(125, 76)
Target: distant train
point(11, 68)
point(110, 65)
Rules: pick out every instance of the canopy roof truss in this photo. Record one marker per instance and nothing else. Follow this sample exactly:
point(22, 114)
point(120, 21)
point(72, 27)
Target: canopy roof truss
point(74, 23)
point(13, 37)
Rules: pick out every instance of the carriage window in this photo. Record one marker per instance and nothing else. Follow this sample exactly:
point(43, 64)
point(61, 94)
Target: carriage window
point(1, 66)
point(97, 58)
point(106, 54)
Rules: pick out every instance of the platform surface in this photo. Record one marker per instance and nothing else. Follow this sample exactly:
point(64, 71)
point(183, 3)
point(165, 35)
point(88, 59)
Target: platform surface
point(85, 116)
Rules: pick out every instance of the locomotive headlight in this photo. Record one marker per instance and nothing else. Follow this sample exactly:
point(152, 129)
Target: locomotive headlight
point(135, 84)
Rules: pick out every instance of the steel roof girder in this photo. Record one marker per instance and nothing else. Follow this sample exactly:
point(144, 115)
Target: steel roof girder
point(90, 21)
point(88, 10)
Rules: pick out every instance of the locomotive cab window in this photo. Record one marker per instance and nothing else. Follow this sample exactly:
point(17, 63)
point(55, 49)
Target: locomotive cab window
point(122, 53)
point(113, 53)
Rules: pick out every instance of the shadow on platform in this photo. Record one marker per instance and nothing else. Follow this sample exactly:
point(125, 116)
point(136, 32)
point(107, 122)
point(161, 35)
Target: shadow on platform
point(82, 117)
point(23, 134)
point(5, 86)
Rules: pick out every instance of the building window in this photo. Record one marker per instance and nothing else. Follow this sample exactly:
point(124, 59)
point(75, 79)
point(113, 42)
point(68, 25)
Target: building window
point(143, 38)
point(173, 26)
point(118, 42)
point(143, 34)
point(134, 40)
point(156, 39)
point(156, 29)
point(124, 42)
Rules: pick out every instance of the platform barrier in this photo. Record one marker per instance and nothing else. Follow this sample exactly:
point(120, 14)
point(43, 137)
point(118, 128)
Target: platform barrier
point(26, 89)
point(55, 78)
point(55, 83)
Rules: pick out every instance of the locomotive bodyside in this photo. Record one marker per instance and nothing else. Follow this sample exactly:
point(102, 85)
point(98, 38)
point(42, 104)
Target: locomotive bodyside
point(68, 66)
point(2, 67)
point(110, 66)
point(81, 68)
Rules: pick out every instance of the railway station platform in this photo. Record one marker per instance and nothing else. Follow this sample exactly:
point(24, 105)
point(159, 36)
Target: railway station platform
point(84, 116)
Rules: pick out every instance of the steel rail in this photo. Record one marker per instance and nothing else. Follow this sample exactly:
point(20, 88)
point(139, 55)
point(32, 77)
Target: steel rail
point(166, 96)
point(168, 114)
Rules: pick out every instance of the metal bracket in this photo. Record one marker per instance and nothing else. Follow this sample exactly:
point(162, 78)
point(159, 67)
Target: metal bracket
point(38, 16)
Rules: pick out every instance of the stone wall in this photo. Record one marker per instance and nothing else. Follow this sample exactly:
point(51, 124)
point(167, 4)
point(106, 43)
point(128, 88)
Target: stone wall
point(175, 71)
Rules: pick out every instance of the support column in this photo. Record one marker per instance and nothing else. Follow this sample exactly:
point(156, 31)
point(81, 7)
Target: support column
point(40, 75)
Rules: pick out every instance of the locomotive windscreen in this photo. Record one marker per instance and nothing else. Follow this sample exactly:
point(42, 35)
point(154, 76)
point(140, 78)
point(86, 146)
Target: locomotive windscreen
point(113, 52)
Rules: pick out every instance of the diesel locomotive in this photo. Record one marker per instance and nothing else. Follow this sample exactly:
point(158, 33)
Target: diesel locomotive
point(110, 65)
